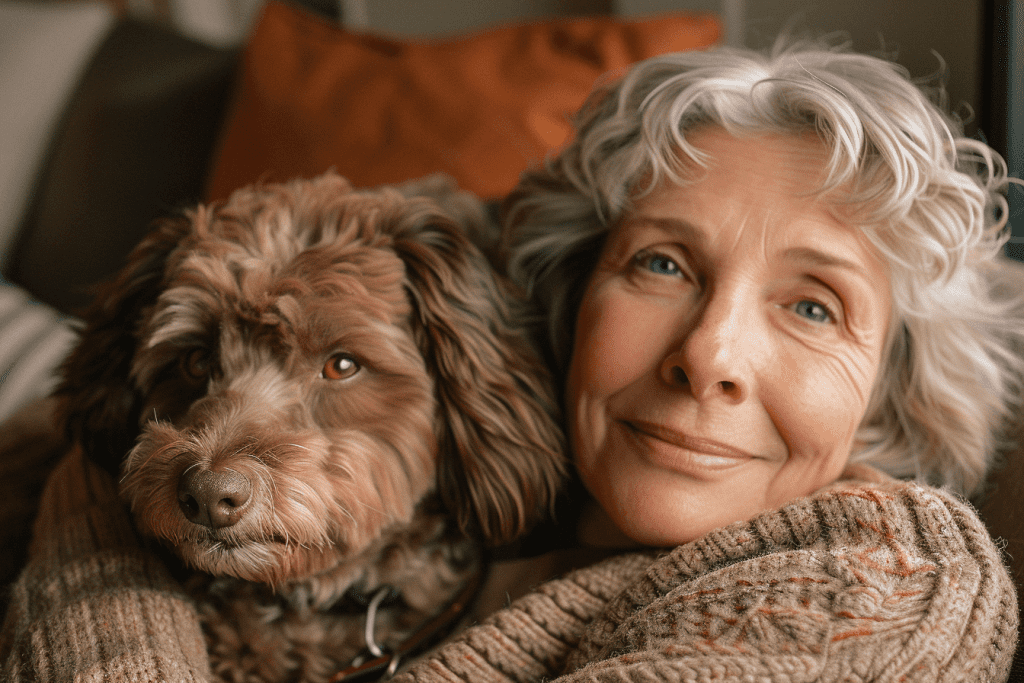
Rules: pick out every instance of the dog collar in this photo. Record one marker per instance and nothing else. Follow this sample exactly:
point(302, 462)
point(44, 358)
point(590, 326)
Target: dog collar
point(379, 663)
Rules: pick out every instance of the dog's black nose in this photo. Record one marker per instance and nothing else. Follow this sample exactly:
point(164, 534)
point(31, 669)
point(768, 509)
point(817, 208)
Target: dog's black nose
point(213, 499)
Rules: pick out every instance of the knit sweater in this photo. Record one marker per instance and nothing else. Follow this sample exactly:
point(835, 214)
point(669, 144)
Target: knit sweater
point(863, 581)
point(91, 604)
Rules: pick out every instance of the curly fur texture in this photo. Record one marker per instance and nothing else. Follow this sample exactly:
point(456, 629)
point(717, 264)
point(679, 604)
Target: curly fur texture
point(311, 388)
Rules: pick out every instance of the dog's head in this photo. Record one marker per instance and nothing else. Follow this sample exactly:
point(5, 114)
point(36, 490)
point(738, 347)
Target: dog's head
point(280, 378)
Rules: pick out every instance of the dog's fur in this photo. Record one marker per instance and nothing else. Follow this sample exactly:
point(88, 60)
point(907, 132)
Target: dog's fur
point(342, 365)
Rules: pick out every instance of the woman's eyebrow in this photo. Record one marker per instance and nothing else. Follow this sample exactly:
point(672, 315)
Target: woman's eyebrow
point(672, 225)
point(816, 257)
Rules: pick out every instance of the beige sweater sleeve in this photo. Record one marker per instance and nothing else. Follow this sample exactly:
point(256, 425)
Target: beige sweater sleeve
point(883, 581)
point(91, 604)
point(531, 639)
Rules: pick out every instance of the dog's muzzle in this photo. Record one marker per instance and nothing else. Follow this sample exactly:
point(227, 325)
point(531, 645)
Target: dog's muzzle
point(213, 499)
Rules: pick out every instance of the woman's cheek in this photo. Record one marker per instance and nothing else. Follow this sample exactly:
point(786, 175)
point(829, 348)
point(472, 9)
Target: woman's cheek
point(818, 404)
point(613, 334)
point(829, 375)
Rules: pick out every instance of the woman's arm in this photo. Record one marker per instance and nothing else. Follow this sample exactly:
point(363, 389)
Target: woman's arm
point(91, 603)
point(531, 639)
point(870, 582)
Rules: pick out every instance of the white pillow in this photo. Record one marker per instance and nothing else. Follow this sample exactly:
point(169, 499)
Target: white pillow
point(34, 339)
point(44, 49)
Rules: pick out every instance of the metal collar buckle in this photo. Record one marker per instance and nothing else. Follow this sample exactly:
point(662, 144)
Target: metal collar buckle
point(379, 663)
point(375, 663)
point(371, 642)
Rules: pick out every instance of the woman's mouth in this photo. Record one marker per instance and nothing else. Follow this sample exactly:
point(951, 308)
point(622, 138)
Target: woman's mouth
point(682, 452)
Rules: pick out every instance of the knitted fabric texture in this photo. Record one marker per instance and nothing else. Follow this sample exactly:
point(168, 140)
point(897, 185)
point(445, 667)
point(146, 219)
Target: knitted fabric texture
point(870, 582)
point(91, 604)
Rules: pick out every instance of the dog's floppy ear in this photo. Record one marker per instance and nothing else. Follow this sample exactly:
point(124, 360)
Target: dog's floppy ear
point(502, 453)
point(97, 403)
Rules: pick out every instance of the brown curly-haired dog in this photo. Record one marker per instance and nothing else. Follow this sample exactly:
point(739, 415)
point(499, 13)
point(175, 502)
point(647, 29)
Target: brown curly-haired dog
point(313, 393)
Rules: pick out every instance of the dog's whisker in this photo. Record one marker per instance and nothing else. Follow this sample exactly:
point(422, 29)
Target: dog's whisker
point(348, 515)
point(276, 524)
point(270, 483)
point(131, 470)
point(370, 507)
point(178, 454)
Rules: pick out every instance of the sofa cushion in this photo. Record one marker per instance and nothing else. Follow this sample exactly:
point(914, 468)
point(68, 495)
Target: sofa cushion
point(44, 48)
point(481, 107)
point(133, 145)
point(34, 339)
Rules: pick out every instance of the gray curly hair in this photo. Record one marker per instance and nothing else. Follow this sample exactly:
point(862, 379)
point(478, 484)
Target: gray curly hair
point(929, 199)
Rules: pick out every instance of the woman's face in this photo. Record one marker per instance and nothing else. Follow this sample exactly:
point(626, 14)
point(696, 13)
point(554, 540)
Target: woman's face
point(726, 346)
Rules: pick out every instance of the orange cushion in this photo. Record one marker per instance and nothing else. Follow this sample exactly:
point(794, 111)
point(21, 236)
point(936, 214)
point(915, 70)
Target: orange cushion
point(481, 107)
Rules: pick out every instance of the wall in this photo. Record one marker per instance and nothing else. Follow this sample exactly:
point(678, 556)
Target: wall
point(909, 29)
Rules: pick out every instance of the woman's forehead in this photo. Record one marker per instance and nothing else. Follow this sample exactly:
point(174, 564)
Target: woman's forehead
point(798, 164)
point(802, 156)
point(789, 170)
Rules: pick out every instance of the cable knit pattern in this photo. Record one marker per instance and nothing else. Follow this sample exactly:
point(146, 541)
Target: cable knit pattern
point(871, 582)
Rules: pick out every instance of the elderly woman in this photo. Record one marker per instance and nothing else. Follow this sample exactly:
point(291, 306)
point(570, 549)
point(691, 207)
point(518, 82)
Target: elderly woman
point(770, 285)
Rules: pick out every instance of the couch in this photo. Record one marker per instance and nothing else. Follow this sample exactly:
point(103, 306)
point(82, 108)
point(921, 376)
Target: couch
point(144, 121)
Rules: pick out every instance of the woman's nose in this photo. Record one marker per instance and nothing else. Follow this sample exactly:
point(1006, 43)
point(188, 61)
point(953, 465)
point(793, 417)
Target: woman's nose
point(717, 352)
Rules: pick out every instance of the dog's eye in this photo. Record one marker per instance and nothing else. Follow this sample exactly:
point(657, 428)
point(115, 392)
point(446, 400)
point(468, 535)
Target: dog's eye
point(340, 366)
point(196, 364)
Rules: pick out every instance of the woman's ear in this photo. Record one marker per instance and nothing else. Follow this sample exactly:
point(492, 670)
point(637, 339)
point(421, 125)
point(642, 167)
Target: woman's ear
point(96, 402)
point(502, 458)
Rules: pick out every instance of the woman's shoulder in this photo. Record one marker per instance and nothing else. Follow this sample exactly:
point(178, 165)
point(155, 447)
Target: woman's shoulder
point(871, 573)
point(876, 526)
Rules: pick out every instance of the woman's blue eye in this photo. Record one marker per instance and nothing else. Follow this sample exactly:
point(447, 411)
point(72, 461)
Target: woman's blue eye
point(812, 310)
point(662, 265)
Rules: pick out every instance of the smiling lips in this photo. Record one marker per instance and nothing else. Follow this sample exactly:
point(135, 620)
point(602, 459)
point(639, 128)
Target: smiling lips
point(701, 454)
